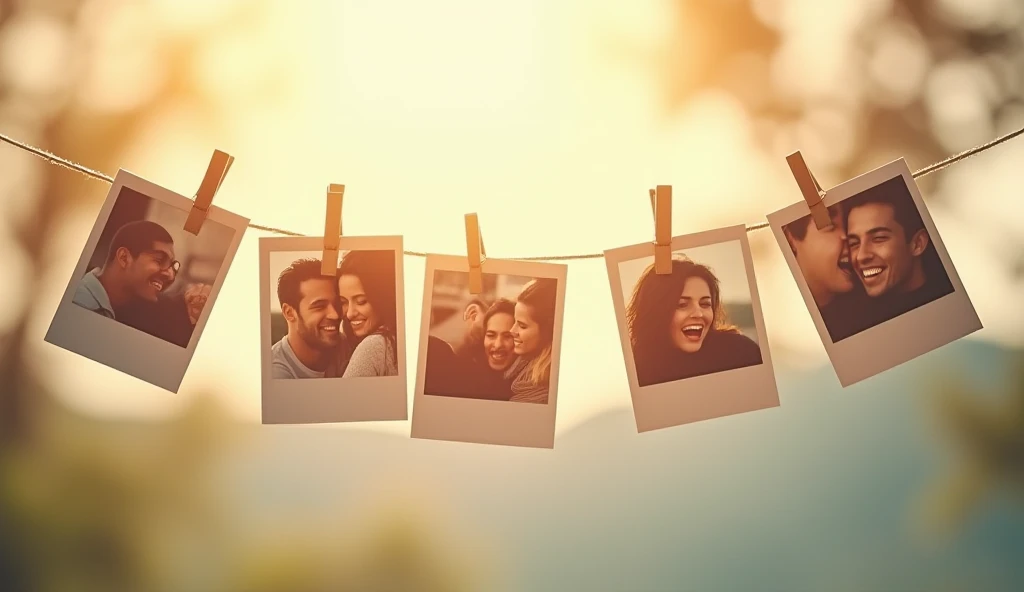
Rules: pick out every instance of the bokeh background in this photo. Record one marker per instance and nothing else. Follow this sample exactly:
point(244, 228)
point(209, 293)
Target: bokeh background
point(726, 261)
point(550, 120)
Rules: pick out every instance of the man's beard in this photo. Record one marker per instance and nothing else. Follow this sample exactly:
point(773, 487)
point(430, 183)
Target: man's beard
point(311, 337)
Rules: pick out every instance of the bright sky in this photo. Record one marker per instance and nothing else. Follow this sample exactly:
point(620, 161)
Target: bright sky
point(518, 111)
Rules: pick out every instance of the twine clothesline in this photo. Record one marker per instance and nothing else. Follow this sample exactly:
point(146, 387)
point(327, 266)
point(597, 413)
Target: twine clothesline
point(60, 161)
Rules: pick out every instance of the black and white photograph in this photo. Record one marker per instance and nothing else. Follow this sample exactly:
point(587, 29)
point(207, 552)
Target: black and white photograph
point(878, 281)
point(693, 340)
point(143, 287)
point(333, 346)
point(488, 363)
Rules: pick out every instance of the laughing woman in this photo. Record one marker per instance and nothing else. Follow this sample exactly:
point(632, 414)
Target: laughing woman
point(533, 331)
point(677, 326)
point(366, 287)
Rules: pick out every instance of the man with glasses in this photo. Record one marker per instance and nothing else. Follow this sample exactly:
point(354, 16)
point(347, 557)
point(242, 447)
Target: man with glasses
point(140, 265)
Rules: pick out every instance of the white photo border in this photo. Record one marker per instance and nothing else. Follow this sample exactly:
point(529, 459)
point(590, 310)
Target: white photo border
point(913, 333)
point(731, 392)
point(508, 423)
point(119, 346)
point(332, 400)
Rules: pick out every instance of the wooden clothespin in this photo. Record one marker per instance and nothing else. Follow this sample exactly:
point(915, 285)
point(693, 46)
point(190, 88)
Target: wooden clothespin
point(476, 253)
point(661, 207)
point(332, 229)
point(220, 163)
point(812, 192)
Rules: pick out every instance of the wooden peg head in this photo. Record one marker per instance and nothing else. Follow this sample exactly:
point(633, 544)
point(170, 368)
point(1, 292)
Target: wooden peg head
point(474, 253)
point(662, 204)
point(332, 229)
point(217, 170)
point(812, 192)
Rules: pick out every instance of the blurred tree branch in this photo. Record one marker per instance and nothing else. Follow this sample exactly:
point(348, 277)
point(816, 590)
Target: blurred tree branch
point(732, 46)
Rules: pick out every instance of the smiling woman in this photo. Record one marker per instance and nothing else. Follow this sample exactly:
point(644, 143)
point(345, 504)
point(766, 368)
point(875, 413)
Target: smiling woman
point(686, 358)
point(678, 328)
point(367, 290)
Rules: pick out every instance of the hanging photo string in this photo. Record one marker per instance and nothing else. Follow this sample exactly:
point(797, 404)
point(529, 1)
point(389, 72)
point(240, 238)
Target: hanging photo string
point(796, 163)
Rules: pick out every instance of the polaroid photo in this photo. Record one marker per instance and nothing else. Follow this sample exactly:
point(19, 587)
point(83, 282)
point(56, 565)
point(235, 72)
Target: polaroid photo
point(143, 287)
point(879, 284)
point(488, 363)
point(694, 340)
point(333, 347)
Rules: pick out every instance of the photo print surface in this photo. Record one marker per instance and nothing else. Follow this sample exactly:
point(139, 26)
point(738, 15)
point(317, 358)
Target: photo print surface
point(143, 287)
point(333, 347)
point(879, 283)
point(693, 341)
point(488, 363)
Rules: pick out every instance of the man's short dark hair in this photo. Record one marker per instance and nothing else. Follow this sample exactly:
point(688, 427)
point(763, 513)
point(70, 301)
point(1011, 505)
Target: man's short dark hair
point(893, 193)
point(138, 236)
point(501, 305)
point(289, 283)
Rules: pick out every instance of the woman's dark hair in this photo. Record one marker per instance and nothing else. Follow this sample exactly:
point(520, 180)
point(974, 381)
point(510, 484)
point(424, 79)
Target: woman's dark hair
point(654, 300)
point(376, 271)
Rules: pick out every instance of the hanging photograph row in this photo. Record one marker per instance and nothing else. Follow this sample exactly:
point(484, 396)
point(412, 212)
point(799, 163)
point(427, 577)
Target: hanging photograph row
point(878, 284)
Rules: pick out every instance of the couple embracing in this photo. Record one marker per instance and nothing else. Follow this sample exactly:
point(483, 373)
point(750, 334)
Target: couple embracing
point(341, 326)
point(875, 263)
point(506, 350)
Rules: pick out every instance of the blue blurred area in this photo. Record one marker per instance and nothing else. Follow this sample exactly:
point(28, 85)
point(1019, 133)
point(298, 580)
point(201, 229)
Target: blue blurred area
point(741, 315)
point(819, 494)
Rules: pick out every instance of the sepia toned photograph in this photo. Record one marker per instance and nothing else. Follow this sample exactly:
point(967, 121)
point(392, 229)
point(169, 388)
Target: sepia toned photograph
point(693, 340)
point(488, 364)
point(878, 282)
point(143, 287)
point(333, 345)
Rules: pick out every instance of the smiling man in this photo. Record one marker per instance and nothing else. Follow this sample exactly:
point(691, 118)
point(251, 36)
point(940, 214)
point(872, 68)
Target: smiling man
point(891, 250)
point(474, 369)
point(310, 306)
point(140, 265)
point(499, 342)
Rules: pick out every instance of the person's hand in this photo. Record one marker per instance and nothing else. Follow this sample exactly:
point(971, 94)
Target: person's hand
point(196, 296)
